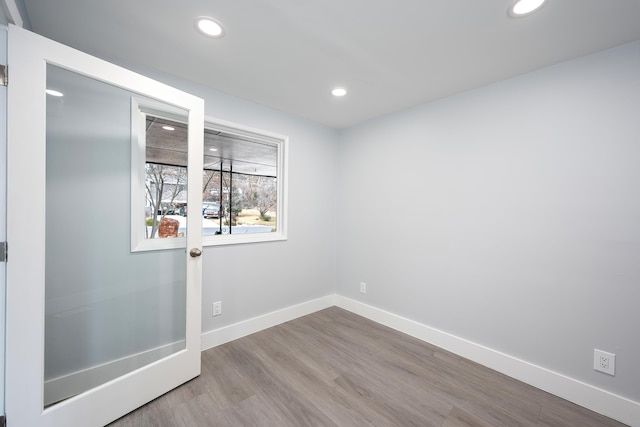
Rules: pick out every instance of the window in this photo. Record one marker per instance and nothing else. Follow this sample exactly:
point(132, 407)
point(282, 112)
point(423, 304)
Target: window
point(243, 182)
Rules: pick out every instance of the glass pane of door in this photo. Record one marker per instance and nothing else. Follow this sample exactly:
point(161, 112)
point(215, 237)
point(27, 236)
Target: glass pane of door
point(108, 310)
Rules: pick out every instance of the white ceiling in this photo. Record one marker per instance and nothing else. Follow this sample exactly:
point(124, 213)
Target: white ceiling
point(288, 54)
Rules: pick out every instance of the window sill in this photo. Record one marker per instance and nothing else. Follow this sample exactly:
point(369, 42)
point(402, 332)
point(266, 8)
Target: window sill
point(219, 240)
point(234, 239)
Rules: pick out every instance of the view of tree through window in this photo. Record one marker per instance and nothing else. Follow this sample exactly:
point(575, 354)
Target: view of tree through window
point(165, 188)
point(245, 203)
point(239, 182)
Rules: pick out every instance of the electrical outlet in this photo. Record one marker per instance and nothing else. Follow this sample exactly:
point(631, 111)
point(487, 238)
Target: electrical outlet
point(217, 308)
point(604, 361)
point(363, 287)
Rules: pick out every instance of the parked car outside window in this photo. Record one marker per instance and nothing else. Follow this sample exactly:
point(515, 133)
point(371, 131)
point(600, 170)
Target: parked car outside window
point(210, 210)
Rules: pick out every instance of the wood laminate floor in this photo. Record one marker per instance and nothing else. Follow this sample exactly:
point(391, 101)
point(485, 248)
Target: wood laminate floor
point(334, 368)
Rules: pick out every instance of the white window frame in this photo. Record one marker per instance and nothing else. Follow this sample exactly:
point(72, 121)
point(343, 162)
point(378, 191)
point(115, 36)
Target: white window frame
point(139, 109)
point(282, 144)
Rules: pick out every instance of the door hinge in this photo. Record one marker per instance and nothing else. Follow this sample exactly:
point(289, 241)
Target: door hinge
point(4, 75)
point(3, 251)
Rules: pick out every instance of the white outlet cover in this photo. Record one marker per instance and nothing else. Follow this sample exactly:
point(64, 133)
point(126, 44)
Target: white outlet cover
point(217, 308)
point(598, 356)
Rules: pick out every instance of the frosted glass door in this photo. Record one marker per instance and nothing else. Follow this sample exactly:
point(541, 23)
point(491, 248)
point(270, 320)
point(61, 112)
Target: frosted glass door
point(94, 328)
point(108, 311)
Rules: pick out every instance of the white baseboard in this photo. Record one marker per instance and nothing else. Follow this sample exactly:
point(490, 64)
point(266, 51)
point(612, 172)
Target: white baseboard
point(238, 330)
point(608, 404)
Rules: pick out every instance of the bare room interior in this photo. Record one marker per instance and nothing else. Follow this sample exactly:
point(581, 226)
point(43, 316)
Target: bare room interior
point(337, 213)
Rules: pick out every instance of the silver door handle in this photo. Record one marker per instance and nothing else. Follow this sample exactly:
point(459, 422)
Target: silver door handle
point(195, 252)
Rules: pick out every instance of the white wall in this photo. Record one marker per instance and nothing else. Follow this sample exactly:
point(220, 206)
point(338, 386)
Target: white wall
point(508, 216)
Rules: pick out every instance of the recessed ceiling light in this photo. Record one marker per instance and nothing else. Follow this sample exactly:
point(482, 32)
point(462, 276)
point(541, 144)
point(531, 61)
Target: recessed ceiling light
point(54, 92)
point(209, 27)
point(213, 149)
point(339, 91)
point(525, 7)
point(168, 128)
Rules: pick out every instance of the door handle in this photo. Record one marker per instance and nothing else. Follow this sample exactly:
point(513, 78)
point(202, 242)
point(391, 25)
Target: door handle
point(195, 252)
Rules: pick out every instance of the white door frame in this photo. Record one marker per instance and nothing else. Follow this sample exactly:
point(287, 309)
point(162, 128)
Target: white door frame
point(27, 57)
point(3, 209)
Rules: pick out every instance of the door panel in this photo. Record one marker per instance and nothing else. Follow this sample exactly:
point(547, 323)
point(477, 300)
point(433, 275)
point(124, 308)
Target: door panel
point(107, 311)
point(94, 330)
